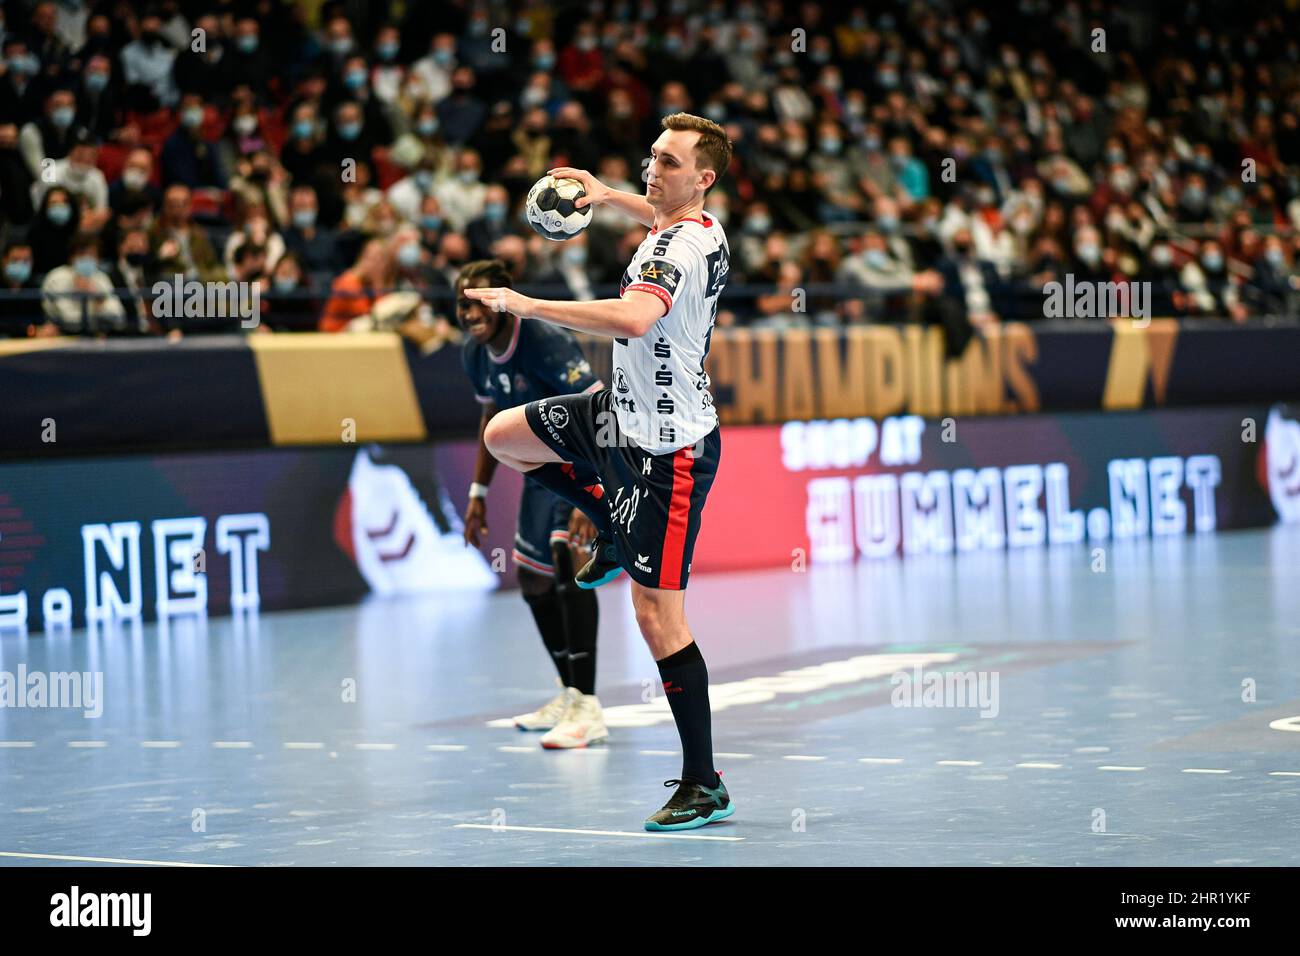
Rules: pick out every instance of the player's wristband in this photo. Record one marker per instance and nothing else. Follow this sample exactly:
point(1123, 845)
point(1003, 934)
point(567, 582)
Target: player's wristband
point(476, 490)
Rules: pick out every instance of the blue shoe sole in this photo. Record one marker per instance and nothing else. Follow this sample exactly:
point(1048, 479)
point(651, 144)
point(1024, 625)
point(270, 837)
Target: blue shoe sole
point(695, 824)
point(613, 573)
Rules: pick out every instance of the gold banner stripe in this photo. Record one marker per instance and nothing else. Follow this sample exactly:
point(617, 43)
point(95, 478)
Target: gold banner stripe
point(1126, 372)
point(312, 382)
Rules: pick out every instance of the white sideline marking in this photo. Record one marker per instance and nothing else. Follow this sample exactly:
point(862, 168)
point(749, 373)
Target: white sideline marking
point(662, 753)
point(17, 744)
point(729, 756)
point(958, 763)
point(1203, 770)
point(647, 835)
point(1284, 773)
point(1040, 766)
point(801, 757)
point(880, 760)
point(1130, 769)
point(103, 859)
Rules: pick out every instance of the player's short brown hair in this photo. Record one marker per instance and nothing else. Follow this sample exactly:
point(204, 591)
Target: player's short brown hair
point(712, 149)
point(494, 270)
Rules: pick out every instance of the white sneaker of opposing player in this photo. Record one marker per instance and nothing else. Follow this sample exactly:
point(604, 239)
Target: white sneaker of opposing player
point(582, 724)
point(550, 713)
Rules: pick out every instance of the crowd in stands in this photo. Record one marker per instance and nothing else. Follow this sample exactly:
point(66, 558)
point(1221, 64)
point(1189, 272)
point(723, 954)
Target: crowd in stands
point(929, 161)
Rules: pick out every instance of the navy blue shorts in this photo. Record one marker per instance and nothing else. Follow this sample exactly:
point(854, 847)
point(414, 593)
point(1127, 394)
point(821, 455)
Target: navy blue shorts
point(543, 518)
point(655, 501)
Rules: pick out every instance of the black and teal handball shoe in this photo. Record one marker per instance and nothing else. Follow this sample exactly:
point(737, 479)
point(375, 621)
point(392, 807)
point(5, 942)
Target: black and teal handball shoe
point(693, 805)
point(603, 567)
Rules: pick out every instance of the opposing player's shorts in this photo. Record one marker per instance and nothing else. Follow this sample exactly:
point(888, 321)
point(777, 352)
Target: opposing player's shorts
point(654, 501)
point(543, 518)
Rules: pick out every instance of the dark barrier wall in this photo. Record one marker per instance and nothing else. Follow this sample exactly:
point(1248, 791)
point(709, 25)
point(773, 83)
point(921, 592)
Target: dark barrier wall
point(141, 536)
point(77, 396)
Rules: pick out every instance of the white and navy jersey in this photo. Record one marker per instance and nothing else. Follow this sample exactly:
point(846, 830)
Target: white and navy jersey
point(660, 389)
point(541, 361)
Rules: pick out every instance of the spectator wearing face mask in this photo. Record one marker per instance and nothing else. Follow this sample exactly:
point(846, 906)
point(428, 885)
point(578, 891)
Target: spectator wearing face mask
point(1087, 264)
point(249, 60)
point(971, 296)
point(431, 224)
point(53, 134)
point(21, 93)
point(463, 112)
point(287, 305)
point(188, 158)
point(147, 68)
point(1272, 284)
point(462, 198)
point(99, 108)
point(1160, 272)
point(434, 70)
point(132, 274)
point(412, 265)
point(19, 315)
point(349, 139)
point(314, 248)
point(353, 86)
point(409, 192)
point(1211, 290)
point(571, 264)
point(135, 183)
point(78, 174)
point(492, 225)
point(52, 230)
point(79, 297)
point(16, 206)
point(179, 244)
point(209, 72)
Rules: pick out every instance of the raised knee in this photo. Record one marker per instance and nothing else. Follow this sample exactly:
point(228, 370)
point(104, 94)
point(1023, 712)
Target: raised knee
point(496, 435)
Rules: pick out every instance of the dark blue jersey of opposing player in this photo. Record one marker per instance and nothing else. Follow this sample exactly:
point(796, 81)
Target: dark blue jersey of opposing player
point(540, 361)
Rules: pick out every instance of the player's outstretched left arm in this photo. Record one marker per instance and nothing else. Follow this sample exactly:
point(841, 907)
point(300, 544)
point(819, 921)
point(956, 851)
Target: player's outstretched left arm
point(627, 318)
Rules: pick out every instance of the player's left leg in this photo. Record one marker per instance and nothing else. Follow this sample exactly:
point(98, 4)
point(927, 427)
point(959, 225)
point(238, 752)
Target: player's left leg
point(701, 797)
point(583, 722)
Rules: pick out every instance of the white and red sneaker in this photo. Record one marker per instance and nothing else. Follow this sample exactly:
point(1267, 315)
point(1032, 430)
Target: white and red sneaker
point(582, 724)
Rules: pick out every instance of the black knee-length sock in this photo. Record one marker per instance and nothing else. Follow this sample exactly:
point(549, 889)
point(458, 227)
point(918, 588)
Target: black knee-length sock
point(548, 612)
point(686, 683)
point(581, 620)
point(580, 486)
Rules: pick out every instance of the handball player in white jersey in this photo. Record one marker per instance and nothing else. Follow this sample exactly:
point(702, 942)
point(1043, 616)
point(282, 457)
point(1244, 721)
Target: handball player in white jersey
point(640, 456)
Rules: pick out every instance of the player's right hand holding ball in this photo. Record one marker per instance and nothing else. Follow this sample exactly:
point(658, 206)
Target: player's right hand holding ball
point(596, 190)
point(475, 520)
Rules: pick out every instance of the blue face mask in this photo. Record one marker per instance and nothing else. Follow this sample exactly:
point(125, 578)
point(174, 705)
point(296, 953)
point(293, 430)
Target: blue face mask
point(1275, 258)
point(432, 223)
point(424, 179)
point(386, 51)
point(355, 79)
point(285, 283)
point(544, 62)
point(85, 266)
point(495, 211)
point(60, 214)
point(1213, 261)
point(20, 270)
point(247, 44)
point(96, 82)
point(63, 117)
point(426, 127)
point(876, 259)
point(575, 255)
point(409, 254)
point(349, 131)
point(887, 223)
point(341, 46)
point(442, 57)
point(303, 129)
point(192, 118)
point(304, 218)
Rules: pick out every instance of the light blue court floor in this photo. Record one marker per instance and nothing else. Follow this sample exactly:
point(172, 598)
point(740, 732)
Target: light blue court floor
point(1144, 715)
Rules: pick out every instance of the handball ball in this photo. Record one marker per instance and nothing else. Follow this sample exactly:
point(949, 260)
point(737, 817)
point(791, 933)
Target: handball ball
point(550, 208)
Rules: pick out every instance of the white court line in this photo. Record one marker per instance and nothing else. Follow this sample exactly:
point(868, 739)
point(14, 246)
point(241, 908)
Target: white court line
point(17, 744)
point(232, 744)
point(801, 757)
point(729, 756)
point(959, 763)
point(104, 859)
point(662, 753)
point(448, 748)
point(88, 744)
point(160, 744)
point(1203, 770)
point(1130, 769)
point(1040, 766)
point(303, 745)
point(880, 760)
point(376, 746)
point(647, 835)
point(1284, 773)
